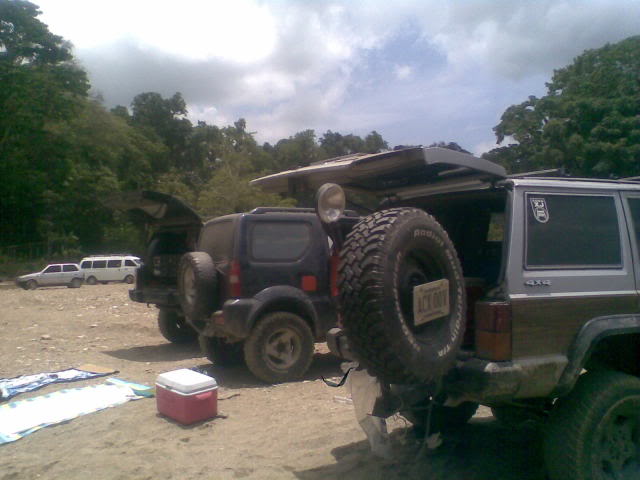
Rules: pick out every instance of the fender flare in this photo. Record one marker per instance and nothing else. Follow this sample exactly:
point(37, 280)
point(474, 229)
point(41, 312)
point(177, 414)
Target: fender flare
point(272, 296)
point(587, 338)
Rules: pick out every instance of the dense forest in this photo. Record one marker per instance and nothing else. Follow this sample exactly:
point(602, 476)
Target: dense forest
point(62, 150)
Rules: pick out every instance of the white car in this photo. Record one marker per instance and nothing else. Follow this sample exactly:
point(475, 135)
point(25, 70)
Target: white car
point(109, 268)
point(55, 274)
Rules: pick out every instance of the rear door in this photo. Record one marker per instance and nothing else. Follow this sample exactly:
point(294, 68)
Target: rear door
point(569, 262)
point(632, 210)
point(69, 272)
point(114, 270)
point(284, 250)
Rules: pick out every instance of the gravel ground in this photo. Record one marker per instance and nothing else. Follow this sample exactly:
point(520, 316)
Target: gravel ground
point(293, 430)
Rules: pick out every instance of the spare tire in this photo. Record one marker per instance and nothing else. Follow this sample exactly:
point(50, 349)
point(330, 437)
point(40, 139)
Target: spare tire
point(384, 257)
point(197, 287)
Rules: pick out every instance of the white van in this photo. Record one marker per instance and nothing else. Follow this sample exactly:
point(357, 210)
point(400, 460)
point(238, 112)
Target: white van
point(109, 268)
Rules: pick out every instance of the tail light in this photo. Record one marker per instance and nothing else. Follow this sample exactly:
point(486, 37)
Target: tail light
point(334, 260)
point(235, 279)
point(493, 331)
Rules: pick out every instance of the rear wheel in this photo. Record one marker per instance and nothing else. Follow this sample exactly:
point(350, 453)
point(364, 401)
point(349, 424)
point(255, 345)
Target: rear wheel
point(129, 279)
point(280, 348)
point(92, 280)
point(594, 432)
point(385, 257)
point(174, 328)
point(75, 283)
point(220, 352)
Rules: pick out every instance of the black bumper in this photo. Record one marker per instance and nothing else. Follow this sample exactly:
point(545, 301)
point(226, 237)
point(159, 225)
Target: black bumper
point(234, 320)
point(160, 297)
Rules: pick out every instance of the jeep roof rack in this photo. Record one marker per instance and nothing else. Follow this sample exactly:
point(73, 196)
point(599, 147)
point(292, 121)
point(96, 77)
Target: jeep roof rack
point(282, 210)
point(552, 172)
point(262, 210)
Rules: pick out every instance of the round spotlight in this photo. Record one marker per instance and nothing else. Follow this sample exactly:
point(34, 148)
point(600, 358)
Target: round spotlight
point(330, 202)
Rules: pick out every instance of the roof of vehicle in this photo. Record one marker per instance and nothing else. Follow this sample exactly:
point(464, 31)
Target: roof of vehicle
point(570, 182)
point(114, 255)
point(388, 173)
point(272, 211)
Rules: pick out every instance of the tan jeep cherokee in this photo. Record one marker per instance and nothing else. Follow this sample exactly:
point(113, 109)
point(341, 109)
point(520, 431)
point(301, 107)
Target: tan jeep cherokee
point(472, 287)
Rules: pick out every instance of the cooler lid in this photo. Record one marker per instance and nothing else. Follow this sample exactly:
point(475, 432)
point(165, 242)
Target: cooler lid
point(186, 381)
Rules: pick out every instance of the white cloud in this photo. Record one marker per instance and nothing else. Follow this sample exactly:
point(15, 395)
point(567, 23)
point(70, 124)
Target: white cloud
point(290, 65)
point(402, 72)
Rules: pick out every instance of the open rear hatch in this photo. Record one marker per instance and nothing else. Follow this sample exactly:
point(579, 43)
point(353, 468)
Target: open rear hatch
point(402, 173)
point(173, 230)
point(157, 209)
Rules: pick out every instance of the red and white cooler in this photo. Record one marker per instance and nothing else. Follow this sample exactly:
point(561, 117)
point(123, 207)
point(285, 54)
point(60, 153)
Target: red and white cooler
point(187, 396)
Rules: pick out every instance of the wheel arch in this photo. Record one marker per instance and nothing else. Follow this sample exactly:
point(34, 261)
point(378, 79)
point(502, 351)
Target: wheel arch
point(287, 299)
point(610, 341)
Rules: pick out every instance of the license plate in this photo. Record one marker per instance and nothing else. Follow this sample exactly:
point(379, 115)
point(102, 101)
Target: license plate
point(430, 301)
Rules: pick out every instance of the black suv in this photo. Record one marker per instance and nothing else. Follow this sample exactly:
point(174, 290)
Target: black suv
point(250, 285)
point(469, 287)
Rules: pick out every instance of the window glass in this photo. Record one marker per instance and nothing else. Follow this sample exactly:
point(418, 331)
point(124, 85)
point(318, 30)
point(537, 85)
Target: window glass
point(634, 206)
point(53, 269)
point(279, 240)
point(69, 268)
point(217, 240)
point(572, 231)
point(129, 263)
point(99, 263)
point(114, 263)
point(86, 264)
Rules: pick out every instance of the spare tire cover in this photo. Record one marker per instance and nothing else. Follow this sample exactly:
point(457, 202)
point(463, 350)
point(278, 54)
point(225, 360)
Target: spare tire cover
point(385, 257)
point(197, 287)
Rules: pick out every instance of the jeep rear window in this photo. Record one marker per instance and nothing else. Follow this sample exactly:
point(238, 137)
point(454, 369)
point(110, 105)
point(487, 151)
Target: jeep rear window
point(572, 231)
point(114, 263)
point(69, 268)
point(279, 241)
point(217, 240)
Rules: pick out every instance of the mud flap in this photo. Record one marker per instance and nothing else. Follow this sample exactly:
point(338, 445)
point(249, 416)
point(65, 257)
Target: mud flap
point(367, 392)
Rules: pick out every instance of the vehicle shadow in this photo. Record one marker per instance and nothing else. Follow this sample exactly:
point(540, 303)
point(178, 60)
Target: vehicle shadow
point(165, 352)
point(481, 450)
point(323, 365)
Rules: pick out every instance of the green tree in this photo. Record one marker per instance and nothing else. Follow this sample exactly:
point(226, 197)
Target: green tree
point(40, 87)
point(166, 118)
point(229, 191)
point(588, 122)
point(297, 151)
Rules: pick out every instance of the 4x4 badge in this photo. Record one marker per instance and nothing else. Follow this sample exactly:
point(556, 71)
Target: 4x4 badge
point(538, 283)
point(540, 211)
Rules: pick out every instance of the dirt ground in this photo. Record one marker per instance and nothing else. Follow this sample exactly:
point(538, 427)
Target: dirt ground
point(290, 431)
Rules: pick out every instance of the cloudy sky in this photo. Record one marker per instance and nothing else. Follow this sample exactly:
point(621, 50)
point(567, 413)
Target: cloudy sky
point(415, 71)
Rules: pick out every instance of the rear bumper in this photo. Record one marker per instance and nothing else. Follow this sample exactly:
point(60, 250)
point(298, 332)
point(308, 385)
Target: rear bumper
point(158, 296)
point(483, 381)
point(236, 319)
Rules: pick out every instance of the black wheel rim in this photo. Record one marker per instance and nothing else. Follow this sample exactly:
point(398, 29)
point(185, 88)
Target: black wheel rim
point(417, 268)
point(617, 442)
point(282, 349)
